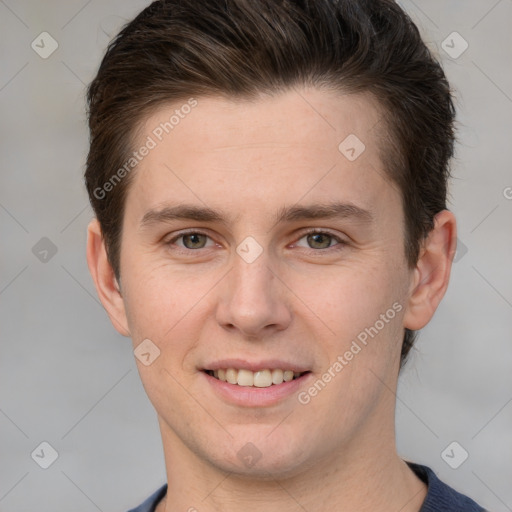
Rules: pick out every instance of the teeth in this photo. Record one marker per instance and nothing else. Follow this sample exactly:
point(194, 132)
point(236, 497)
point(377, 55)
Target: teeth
point(263, 379)
point(245, 378)
point(260, 379)
point(287, 375)
point(231, 376)
point(277, 376)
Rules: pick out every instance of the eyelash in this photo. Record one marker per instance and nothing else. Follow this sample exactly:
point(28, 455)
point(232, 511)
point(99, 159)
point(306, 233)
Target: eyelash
point(340, 245)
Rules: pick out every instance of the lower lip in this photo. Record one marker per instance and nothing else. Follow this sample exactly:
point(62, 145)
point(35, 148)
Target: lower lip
point(250, 396)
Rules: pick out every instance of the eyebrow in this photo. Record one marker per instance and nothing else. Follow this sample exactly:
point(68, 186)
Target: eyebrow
point(336, 210)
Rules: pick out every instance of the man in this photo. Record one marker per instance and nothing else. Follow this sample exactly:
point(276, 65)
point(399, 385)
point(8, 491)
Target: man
point(269, 180)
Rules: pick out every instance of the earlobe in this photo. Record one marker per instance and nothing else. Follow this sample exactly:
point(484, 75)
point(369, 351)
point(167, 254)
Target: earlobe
point(104, 279)
point(432, 272)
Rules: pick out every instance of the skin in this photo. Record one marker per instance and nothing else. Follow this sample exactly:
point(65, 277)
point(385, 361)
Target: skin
point(302, 300)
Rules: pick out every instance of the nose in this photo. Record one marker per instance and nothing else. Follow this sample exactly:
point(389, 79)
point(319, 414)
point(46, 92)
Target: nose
point(253, 299)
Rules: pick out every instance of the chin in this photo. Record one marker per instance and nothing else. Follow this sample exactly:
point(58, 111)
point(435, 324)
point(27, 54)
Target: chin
point(263, 458)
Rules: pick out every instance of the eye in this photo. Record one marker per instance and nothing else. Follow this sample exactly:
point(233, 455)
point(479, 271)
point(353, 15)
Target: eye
point(191, 240)
point(194, 240)
point(317, 239)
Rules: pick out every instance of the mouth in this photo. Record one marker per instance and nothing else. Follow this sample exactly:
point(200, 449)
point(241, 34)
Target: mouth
point(264, 378)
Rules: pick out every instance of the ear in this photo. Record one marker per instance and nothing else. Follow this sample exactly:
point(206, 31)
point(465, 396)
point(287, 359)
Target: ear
point(432, 272)
point(104, 278)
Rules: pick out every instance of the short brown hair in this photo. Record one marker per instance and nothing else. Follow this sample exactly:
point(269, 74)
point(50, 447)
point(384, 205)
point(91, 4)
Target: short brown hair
point(175, 49)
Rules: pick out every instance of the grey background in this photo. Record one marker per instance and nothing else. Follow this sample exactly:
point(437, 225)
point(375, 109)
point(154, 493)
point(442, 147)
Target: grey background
point(69, 379)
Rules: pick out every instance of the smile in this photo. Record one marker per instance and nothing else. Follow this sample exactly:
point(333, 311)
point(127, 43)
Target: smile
point(259, 379)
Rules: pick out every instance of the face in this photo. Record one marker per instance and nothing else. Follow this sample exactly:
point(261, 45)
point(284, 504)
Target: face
point(252, 242)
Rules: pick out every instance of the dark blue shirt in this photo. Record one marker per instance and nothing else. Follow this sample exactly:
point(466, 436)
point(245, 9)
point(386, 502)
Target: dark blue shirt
point(440, 497)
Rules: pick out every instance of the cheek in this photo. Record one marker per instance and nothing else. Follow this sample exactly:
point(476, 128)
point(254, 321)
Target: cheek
point(365, 311)
point(154, 297)
point(167, 306)
point(349, 299)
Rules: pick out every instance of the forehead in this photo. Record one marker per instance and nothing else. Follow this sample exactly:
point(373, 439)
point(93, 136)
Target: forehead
point(309, 117)
point(296, 146)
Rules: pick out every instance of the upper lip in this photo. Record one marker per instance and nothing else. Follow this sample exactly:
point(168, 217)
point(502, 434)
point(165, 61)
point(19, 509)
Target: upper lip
point(254, 366)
